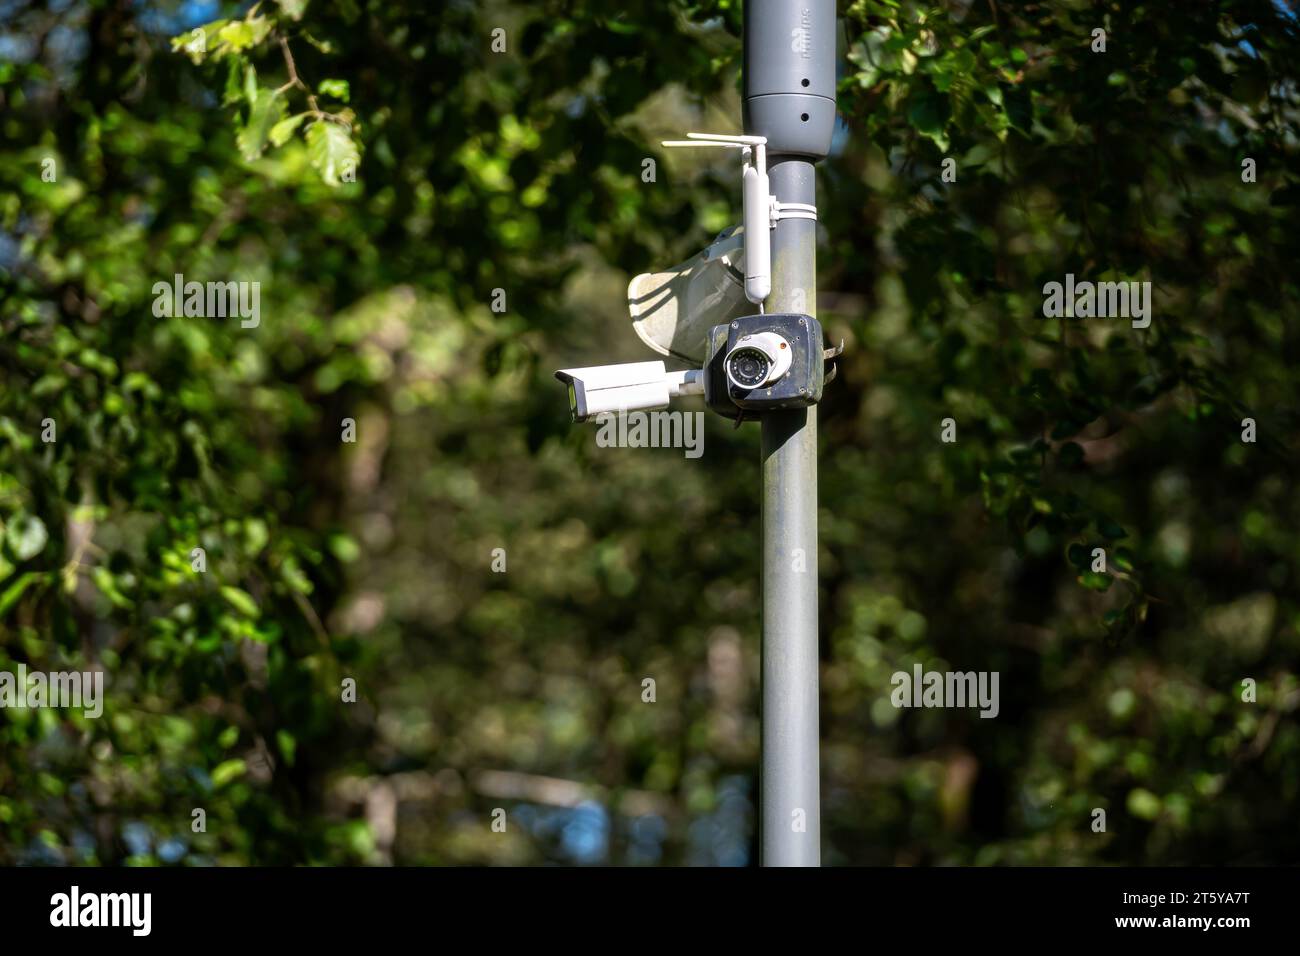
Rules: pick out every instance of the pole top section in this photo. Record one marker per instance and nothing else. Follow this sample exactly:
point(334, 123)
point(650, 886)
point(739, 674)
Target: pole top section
point(790, 75)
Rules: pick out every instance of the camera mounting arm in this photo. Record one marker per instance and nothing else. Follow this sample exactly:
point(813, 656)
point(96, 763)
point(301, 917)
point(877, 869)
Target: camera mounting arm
point(760, 209)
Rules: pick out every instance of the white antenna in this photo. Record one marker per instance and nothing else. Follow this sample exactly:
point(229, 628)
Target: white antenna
point(760, 211)
point(755, 206)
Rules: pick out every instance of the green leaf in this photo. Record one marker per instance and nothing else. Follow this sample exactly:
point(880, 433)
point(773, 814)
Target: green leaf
point(994, 53)
point(344, 548)
point(267, 110)
point(12, 593)
point(323, 45)
point(27, 536)
point(294, 576)
point(261, 28)
point(199, 42)
point(240, 600)
point(929, 116)
point(294, 9)
point(338, 89)
point(193, 43)
point(1095, 581)
point(232, 92)
point(226, 771)
point(243, 35)
point(283, 130)
point(332, 151)
point(236, 36)
point(1143, 804)
point(288, 745)
point(106, 581)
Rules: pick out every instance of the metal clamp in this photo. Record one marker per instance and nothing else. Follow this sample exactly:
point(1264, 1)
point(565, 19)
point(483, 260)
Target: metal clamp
point(791, 210)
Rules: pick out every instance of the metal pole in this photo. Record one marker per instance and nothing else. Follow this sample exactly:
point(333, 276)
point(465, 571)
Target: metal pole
point(790, 99)
point(790, 798)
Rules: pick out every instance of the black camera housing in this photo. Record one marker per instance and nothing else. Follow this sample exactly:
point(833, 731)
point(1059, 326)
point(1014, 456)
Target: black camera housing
point(800, 386)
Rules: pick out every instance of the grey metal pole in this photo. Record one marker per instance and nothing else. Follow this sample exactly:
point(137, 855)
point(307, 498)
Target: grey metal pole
point(790, 99)
point(790, 798)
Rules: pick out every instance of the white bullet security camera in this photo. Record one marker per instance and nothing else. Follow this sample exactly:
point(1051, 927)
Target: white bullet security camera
point(757, 360)
point(632, 386)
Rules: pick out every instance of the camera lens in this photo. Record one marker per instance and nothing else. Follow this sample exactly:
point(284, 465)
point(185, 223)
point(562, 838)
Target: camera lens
point(748, 367)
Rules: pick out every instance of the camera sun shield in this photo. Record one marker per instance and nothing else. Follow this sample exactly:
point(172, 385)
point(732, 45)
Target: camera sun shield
point(760, 362)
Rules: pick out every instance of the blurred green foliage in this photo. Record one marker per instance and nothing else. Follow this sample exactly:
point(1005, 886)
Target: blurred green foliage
point(383, 187)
